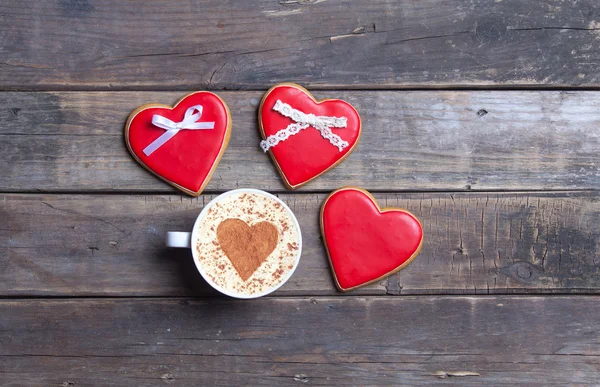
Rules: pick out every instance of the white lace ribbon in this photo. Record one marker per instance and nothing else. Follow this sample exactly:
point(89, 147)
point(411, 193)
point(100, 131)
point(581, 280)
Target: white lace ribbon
point(192, 115)
point(302, 121)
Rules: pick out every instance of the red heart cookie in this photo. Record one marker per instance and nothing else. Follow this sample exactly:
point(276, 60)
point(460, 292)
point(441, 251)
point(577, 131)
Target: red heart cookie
point(366, 243)
point(181, 144)
point(306, 137)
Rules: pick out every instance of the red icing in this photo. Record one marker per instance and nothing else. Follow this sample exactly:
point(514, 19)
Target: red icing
point(188, 159)
point(365, 243)
point(307, 154)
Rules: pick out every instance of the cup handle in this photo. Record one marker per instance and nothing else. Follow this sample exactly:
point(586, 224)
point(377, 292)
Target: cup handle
point(178, 239)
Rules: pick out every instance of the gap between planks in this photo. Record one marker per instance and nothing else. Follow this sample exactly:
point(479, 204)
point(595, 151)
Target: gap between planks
point(283, 191)
point(291, 297)
point(319, 87)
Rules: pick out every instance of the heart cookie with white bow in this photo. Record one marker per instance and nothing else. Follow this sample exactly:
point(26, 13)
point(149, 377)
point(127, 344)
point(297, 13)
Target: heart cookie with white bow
point(306, 137)
point(182, 144)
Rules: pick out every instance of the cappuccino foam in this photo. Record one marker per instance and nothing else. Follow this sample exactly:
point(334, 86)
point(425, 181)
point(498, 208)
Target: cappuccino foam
point(251, 208)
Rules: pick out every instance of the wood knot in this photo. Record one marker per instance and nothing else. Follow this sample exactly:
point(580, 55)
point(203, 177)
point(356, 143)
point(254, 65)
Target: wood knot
point(168, 378)
point(449, 374)
point(301, 378)
point(524, 271)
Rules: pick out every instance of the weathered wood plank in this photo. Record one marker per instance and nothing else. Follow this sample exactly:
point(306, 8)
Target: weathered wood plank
point(536, 341)
point(433, 140)
point(221, 44)
point(474, 243)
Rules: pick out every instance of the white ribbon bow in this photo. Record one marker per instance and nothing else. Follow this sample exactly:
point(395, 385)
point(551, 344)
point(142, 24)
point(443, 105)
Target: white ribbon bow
point(302, 121)
point(172, 128)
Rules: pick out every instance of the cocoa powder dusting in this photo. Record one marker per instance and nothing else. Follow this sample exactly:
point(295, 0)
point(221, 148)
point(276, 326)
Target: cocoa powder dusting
point(246, 247)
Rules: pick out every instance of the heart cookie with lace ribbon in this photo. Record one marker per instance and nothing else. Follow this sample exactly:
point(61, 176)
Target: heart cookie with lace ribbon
point(306, 137)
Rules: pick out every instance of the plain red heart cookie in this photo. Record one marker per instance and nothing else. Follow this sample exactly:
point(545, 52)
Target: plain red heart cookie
point(181, 144)
point(366, 243)
point(306, 137)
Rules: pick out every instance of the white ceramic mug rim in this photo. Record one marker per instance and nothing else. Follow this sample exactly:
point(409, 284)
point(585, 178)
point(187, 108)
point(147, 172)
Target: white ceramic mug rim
point(199, 267)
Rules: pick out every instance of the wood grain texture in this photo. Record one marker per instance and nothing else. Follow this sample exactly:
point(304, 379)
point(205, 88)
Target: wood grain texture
point(98, 229)
point(421, 140)
point(537, 341)
point(217, 44)
point(113, 245)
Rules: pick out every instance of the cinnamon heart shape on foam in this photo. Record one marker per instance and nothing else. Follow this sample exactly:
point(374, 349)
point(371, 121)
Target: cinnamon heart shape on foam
point(307, 154)
point(188, 159)
point(366, 243)
point(247, 247)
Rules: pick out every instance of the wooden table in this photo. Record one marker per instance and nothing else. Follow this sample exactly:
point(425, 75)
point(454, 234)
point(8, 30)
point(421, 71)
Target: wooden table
point(481, 117)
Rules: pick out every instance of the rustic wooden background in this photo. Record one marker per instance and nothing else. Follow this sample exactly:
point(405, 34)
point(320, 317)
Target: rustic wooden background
point(481, 117)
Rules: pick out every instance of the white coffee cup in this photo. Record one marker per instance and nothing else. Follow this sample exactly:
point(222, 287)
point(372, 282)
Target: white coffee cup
point(188, 239)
